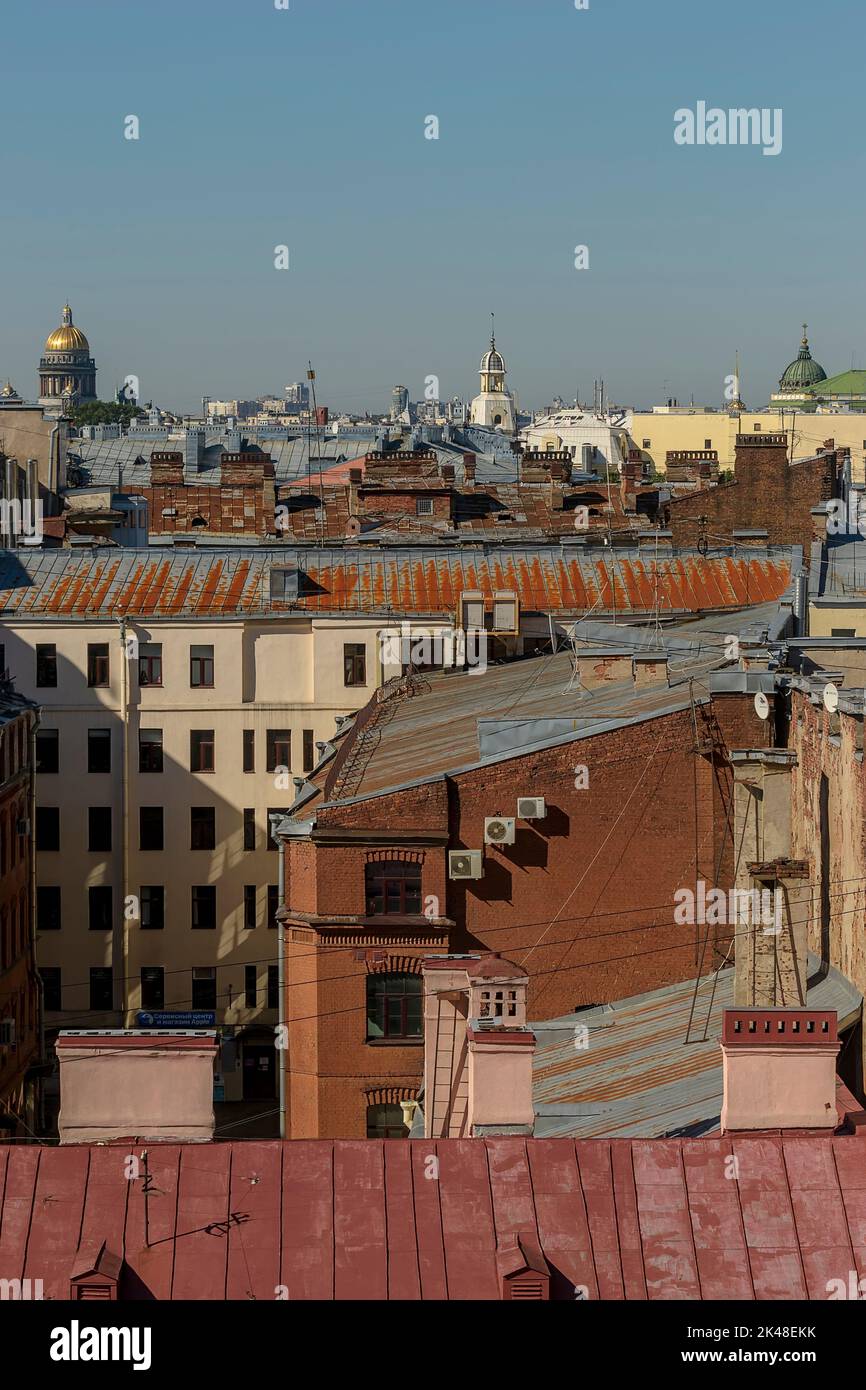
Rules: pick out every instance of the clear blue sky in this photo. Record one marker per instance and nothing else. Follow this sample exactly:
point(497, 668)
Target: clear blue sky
point(306, 127)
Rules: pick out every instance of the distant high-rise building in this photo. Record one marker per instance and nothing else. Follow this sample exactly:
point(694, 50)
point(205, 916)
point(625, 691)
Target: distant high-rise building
point(399, 401)
point(298, 393)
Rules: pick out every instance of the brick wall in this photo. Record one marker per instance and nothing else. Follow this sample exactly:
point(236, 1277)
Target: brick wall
point(584, 899)
point(767, 493)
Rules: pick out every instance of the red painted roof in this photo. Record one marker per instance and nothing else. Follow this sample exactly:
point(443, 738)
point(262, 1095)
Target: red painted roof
point(636, 1219)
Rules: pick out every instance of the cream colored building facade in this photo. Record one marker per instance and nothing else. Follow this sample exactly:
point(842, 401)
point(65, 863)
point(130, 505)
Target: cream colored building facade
point(663, 429)
point(271, 677)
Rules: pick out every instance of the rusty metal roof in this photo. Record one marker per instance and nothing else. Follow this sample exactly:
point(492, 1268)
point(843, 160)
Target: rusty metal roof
point(650, 1067)
point(234, 582)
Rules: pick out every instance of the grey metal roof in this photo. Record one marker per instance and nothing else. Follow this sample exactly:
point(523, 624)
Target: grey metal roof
point(292, 458)
point(646, 1073)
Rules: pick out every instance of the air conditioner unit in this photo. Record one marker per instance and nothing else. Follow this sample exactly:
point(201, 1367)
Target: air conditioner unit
point(22, 827)
point(465, 863)
point(499, 830)
point(7, 1032)
point(531, 808)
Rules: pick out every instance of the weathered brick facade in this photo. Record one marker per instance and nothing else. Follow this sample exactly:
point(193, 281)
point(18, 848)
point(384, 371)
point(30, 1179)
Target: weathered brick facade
point(243, 504)
point(768, 494)
point(583, 900)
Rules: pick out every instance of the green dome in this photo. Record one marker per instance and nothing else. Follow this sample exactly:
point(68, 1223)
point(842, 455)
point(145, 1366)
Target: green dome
point(804, 373)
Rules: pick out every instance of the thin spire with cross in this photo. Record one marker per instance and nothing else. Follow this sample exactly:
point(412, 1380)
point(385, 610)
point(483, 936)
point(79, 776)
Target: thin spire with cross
point(492, 330)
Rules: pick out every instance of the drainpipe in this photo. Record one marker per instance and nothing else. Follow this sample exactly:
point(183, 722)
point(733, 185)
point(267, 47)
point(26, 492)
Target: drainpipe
point(119, 940)
point(53, 463)
point(40, 984)
point(281, 973)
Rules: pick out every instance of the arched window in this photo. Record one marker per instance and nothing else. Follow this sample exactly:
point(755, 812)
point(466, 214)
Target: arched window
point(393, 1005)
point(385, 1122)
point(393, 887)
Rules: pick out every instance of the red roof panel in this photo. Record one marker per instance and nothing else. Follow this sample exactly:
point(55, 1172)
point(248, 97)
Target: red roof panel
point(363, 1219)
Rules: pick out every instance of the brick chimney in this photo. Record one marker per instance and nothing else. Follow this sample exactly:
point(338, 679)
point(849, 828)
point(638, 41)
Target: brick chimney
point(469, 470)
point(477, 1049)
point(119, 1083)
point(779, 1069)
point(166, 468)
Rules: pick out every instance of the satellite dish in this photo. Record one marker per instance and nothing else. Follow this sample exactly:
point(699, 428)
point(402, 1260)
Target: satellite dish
point(762, 705)
point(831, 697)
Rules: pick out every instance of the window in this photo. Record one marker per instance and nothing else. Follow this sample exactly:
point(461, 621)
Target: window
point(273, 903)
point(204, 907)
point(249, 906)
point(394, 1006)
point(757, 428)
point(98, 750)
point(250, 986)
point(249, 827)
point(201, 750)
point(354, 663)
point(385, 1122)
point(150, 750)
point(843, 632)
point(202, 827)
point(97, 663)
point(285, 585)
point(423, 506)
point(249, 750)
point(646, 444)
point(47, 750)
point(273, 986)
point(101, 993)
point(274, 811)
point(51, 987)
point(100, 904)
point(150, 827)
point(153, 907)
point(393, 887)
point(47, 909)
point(47, 827)
point(152, 987)
point(98, 829)
point(204, 987)
point(150, 663)
point(279, 749)
point(201, 666)
point(46, 664)
point(708, 444)
point(309, 751)
point(472, 610)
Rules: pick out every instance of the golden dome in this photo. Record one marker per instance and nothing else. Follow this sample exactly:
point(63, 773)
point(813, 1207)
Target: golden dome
point(67, 338)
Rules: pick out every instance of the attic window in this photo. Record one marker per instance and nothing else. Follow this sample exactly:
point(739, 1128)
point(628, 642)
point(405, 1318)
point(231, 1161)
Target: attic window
point(472, 610)
point(506, 611)
point(423, 506)
point(198, 521)
point(284, 585)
